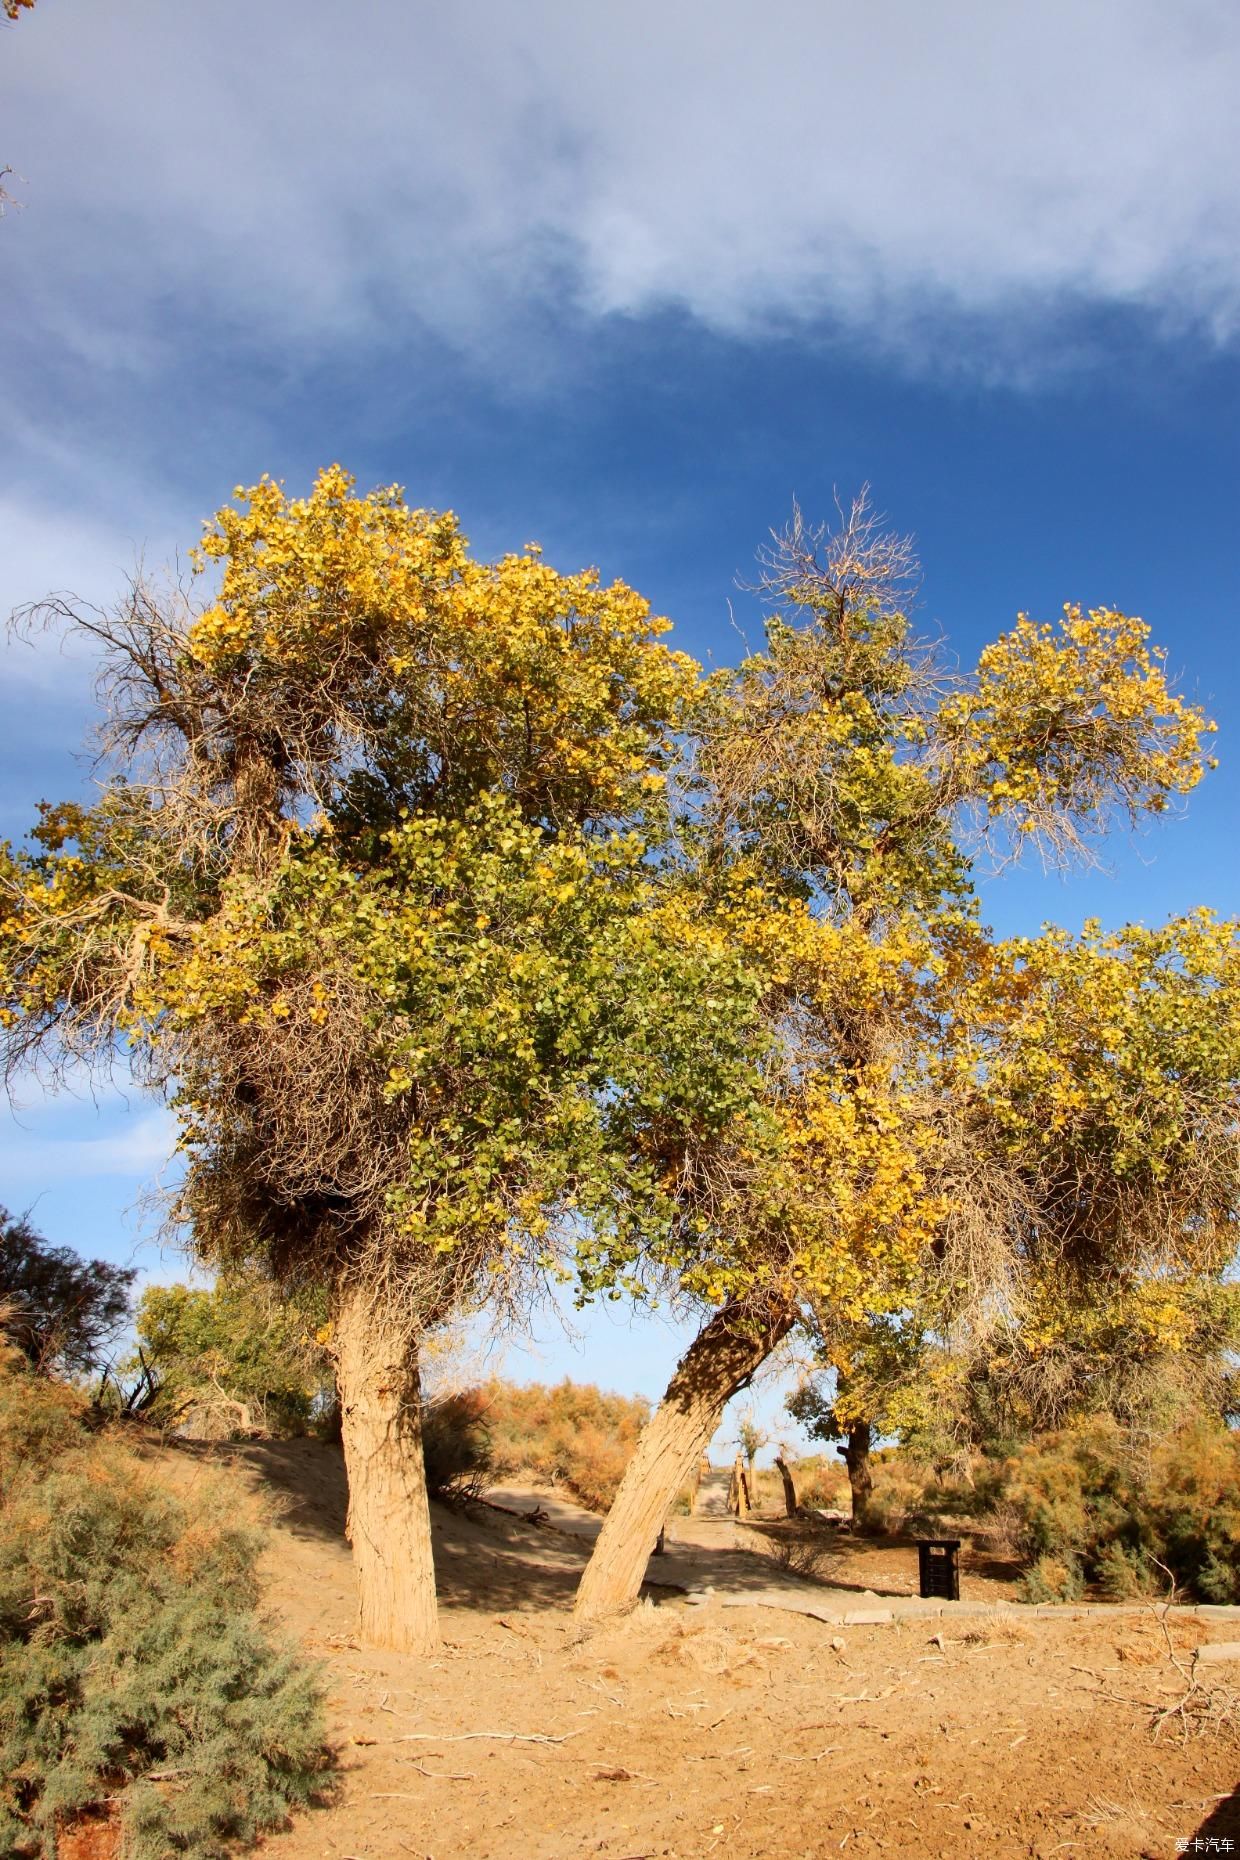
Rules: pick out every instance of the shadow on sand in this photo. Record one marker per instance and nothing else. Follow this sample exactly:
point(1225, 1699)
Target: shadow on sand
point(1219, 1833)
point(483, 1559)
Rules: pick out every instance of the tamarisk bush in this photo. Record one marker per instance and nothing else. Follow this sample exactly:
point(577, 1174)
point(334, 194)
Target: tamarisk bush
point(134, 1666)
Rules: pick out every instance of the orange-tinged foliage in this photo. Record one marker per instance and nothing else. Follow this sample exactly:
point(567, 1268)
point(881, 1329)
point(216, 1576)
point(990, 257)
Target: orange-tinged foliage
point(571, 1434)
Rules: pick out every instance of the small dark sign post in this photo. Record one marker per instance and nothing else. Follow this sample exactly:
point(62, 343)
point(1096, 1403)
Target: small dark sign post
point(939, 1568)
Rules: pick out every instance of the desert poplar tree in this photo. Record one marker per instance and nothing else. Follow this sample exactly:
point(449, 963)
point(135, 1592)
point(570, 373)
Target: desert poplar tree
point(845, 779)
point(364, 893)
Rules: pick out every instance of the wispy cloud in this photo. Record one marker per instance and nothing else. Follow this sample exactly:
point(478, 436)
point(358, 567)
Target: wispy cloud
point(45, 552)
point(33, 1158)
point(883, 166)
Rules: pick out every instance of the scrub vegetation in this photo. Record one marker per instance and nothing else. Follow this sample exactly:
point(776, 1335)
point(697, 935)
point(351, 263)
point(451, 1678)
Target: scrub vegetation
point(139, 1682)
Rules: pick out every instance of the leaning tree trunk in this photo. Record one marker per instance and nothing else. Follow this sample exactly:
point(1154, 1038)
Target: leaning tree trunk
point(860, 1478)
point(389, 1523)
point(790, 1489)
point(719, 1361)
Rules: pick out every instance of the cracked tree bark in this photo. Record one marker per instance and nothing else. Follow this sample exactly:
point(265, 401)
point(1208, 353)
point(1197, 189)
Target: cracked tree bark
point(860, 1478)
point(389, 1524)
point(720, 1360)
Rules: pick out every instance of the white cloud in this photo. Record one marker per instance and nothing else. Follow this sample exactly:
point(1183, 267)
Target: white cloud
point(137, 1146)
point(44, 553)
point(314, 172)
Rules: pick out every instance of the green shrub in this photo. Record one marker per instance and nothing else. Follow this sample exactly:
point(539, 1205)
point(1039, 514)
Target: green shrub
point(133, 1664)
point(1123, 1573)
point(1053, 1579)
point(1117, 1509)
point(1046, 1484)
point(1218, 1581)
point(1191, 1509)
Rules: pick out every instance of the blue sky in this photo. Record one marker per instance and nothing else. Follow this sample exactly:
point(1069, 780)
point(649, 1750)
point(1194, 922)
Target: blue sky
point(626, 280)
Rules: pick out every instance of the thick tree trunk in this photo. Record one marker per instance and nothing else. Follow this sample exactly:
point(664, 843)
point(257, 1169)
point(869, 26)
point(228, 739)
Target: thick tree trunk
point(389, 1523)
point(717, 1363)
point(860, 1478)
point(790, 1490)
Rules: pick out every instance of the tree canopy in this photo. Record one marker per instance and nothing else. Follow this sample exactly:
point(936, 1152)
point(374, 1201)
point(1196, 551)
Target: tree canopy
point(471, 931)
point(362, 872)
point(843, 784)
point(61, 1311)
point(845, 780)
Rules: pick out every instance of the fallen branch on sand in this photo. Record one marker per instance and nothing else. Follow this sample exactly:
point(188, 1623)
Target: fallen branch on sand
point(465, 1737)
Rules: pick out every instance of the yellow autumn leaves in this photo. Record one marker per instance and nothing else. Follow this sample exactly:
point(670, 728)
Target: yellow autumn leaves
point(730, 1020)
point(506, 673)
point(1078, 715)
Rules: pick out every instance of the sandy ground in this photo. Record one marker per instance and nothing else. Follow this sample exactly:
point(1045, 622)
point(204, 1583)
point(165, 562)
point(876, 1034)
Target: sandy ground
point(732, 1731)
point(711, 1550)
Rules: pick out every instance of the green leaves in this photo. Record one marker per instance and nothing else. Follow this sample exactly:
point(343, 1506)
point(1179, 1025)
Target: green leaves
point(389, 887)
point(132, 1645)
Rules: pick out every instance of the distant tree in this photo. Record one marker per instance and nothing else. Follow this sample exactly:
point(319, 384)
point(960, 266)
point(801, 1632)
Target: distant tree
point(62, 1312)
point(783, 1466)
point(752, 1439)
point(13, 7)
point(238, 1346)
point(874, 1368)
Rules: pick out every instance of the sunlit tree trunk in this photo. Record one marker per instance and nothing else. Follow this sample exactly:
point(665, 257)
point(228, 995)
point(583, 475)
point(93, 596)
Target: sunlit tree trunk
point(790, 1490)
point(860, 1478)
point(719, 1361)
point(389, 1523)
point(738, 1491)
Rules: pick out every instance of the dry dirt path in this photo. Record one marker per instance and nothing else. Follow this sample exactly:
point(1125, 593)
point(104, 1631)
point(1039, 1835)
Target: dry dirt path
point(710, 1556)
point(707, 1551)
point(712, 1498)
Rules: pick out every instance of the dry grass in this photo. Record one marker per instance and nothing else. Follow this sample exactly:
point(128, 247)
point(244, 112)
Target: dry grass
point(802, 1553)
